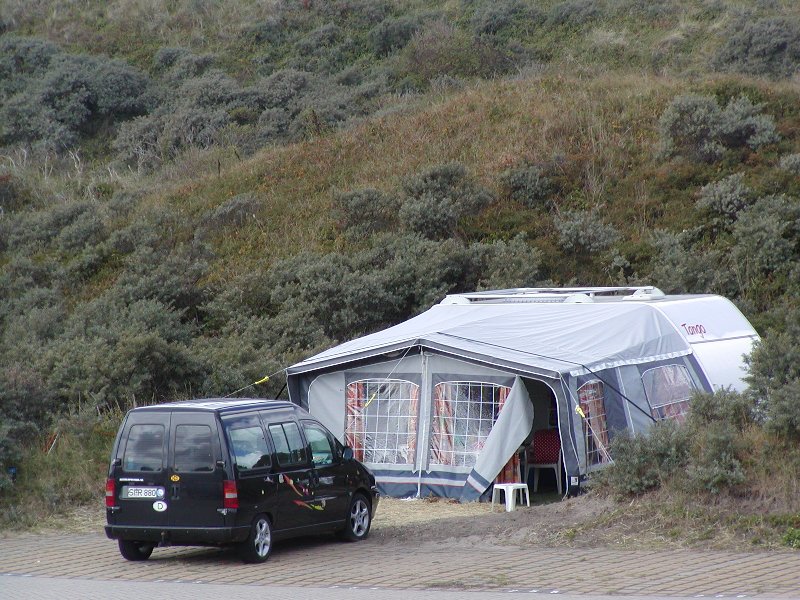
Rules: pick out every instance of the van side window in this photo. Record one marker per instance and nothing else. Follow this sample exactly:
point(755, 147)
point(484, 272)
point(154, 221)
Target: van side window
point(249, 447)
point(193, 448)
point(289, 447)
point(144, 450)
point(322, 447)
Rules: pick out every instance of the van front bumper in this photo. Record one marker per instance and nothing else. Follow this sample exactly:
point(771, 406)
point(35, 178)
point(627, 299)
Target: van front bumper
point(166, 536)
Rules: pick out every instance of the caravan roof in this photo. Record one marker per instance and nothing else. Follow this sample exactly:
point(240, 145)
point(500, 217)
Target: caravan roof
point(551, 331)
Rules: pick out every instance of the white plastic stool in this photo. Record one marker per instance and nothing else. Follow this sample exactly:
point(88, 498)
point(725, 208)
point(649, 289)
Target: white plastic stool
point(510, 491)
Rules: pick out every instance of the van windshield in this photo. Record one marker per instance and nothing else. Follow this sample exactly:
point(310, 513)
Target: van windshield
point(144, 450)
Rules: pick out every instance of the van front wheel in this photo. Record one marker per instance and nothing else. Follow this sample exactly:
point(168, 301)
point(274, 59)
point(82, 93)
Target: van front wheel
point(135, 550)
point(258, 545)
point(358, 520)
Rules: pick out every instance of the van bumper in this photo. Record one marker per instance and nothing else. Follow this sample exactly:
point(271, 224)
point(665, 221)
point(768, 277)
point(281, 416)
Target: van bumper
point(179, 535)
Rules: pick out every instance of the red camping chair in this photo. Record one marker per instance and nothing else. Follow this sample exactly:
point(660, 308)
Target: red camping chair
point(544, 453)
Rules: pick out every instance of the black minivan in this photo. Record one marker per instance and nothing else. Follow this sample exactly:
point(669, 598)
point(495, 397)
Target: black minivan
point(219, 471)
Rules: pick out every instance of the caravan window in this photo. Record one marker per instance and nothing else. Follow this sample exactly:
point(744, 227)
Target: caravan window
point(381, 424)
point(463, 415)
point(668, 390)
point(591, 396)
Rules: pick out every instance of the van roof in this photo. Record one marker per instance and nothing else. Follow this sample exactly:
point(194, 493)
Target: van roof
point(221, 404)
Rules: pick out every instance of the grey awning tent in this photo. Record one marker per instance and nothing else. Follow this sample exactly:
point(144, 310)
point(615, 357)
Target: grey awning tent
point(575, 348)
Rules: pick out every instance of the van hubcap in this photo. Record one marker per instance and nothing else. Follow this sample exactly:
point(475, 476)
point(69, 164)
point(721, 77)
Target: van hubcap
point(263, 538)
point(359, 518)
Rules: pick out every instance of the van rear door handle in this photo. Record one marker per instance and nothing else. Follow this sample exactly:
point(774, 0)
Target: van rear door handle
point(176, 490)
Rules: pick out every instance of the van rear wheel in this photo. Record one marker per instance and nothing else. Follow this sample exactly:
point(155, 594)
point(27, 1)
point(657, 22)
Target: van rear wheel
point(258, 545)
point(135, 550)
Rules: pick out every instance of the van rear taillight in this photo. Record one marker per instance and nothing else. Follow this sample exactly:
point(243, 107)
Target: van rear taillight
point(230, 496)
point(109, 492)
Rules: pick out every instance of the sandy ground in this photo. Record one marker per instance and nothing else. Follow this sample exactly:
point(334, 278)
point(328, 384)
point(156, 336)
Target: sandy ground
point(585, 521)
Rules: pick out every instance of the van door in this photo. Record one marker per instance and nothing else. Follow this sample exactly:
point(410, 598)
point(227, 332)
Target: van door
point(293, 475)
point(328, 475)
point(140, 471)
point(252, 458)
point(194, 494)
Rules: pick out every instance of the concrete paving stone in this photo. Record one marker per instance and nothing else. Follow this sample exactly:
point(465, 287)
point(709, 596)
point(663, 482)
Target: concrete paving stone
point(323, 562)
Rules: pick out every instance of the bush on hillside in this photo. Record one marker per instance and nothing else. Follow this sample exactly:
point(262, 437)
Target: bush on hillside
point(494, 17)
point(574, 13)
point(645, 462)
point(527, 185)
point(393, 33)
point(791, 163)
point(584, 230)
point(235, 212)
point(725, 199)
point(768, 46)
point(508, 264)
point(115, 352)
point(364, 212)
point(696, 127)
point(682, 265)
point(70, 98)
point(437, 199)
point(441, 49)
point(767, 237)
point(774, 378)
point(743, 124)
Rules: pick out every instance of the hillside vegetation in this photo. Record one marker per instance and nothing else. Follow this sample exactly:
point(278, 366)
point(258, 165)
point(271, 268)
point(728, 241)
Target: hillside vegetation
point(195, 195)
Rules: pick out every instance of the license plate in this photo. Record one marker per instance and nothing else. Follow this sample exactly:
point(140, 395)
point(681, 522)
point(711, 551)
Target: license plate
point(130, 492)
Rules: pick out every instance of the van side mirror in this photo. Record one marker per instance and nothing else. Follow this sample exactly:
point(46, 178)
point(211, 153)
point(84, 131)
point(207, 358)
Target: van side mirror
point(347, 453)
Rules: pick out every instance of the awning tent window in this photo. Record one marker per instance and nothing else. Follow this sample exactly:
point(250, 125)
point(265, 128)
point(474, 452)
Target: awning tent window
point(591, 396)
point(381, 420)
point(463, 415)
point(668, 389)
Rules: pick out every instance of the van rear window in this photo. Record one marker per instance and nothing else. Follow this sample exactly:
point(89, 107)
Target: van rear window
point(144, 450)
point(193, 448)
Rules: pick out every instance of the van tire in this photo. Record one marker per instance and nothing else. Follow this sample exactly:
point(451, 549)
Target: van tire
point(359, 520)
point(135, 550)
point(258, 545)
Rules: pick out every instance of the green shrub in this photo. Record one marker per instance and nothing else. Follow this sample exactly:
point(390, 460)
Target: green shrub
point(725, 199)
point(585, 231)
point(768, 46)
point(441, 49)
point(645, 462)
point(792, 537)
point(681, 265)
point(526, 185)
point(115, 352)
point(774, 377)
point(791, 163)
point(742, 124)
point(393, 33)
point(436, 199)
point(715, 464)
point(766, 236)
point(365, 212)
point(495, 17)
point(72, 96)
point(723, 406)
point(696, 127)
point(169, 277)
point(508, 264)
point(234, 212)
point(690, 126)
point(574, 13)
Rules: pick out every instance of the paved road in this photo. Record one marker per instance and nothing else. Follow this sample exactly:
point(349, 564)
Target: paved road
point(35, 566)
